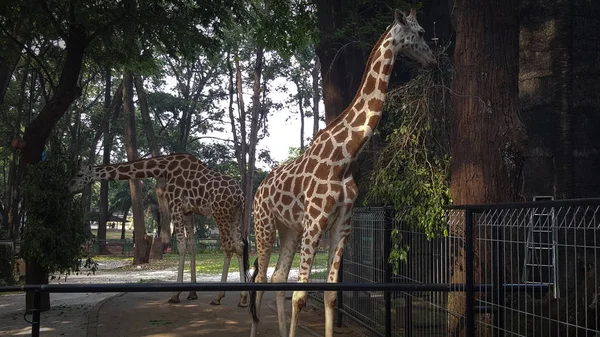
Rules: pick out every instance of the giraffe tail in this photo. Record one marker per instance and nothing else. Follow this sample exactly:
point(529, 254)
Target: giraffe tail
point(246, 258)
point(253, 293)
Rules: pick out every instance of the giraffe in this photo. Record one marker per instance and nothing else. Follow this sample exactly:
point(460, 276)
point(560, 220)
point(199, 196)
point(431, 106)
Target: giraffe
point(191, 187)
point(315, 193)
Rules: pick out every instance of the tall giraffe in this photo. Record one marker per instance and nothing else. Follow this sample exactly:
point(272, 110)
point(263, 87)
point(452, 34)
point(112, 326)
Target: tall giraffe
point(191, 187)
point(315, 193)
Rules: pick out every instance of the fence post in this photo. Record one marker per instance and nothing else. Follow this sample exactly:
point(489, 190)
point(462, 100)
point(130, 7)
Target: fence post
point(469, 274)
point(35, 324)
point(340, 295)
point(498, 293)
point(387, 268)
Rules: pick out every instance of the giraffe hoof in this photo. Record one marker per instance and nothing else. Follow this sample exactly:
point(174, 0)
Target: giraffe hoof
point(192, 297)
point(173, 300)
point(215, 302)
point(242, 305)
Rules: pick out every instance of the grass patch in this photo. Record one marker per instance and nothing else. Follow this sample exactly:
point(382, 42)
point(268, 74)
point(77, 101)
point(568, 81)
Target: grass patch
point(114, 234)
point(211, 263)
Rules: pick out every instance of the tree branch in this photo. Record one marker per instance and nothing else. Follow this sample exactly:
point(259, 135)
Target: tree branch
point(61, 32)
point(210, 137)
point(30, 53)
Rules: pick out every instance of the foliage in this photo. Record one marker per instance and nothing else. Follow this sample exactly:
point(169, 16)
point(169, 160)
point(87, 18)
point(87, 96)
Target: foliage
point(55, 229)
point(293, 153)
point(412, 171)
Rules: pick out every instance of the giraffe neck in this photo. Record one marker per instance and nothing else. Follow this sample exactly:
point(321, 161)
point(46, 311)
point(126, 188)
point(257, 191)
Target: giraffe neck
point(363, 114)
point(150, 168)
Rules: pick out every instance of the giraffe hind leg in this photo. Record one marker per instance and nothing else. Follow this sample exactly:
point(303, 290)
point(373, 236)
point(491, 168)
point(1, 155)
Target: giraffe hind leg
point(221, 294)
point(191, 247)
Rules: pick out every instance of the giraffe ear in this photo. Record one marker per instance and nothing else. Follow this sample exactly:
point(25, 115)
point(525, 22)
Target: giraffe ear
point(400, 17)
point(413, 13)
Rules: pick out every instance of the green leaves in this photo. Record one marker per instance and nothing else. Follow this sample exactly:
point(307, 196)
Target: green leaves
point(412, 172)
point(55, 230)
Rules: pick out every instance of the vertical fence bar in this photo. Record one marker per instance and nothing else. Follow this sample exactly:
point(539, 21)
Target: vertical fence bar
point(387, 269)
point(340, 295)
point(37, 303)
point(470, 281)
point(408, 312)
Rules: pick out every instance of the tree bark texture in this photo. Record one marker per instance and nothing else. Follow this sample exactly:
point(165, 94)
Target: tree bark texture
point(488, 139)
point(563, 65)
point(164, 221)
point(338, 89)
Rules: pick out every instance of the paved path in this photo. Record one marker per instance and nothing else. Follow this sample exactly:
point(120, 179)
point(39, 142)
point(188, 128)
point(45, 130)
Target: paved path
point(149, 314)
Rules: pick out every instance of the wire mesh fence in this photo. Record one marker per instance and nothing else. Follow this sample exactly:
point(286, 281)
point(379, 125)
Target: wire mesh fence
point(554, 246)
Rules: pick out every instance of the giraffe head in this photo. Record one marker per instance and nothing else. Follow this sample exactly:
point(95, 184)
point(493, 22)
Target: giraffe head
point(409, 38)
point(82, 178)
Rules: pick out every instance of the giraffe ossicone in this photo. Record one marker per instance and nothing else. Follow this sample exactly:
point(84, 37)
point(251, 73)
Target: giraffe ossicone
point(315, 193)
point(190, 188)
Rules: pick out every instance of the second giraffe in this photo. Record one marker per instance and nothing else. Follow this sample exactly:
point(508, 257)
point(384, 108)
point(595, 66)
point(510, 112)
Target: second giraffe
point(190, 188)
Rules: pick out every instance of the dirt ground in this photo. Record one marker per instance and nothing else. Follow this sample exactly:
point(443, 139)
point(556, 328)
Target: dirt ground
point(149, 314)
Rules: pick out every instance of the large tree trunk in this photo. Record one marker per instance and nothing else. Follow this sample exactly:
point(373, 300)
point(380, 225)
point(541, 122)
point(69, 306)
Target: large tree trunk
point(164, 221)
point(337, 91)
point(563, 68)
point(488, 139)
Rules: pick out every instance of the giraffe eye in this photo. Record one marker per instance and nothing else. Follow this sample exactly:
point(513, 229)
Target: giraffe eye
point(421, 33)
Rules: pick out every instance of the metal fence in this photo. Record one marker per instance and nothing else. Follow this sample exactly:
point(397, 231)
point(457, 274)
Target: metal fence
point(521, 269)
point(553, 246)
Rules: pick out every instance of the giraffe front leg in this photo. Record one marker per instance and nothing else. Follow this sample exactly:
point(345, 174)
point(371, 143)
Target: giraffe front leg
point(289, 243)
point(310, 241)
point(221, 294)
point(181, 250)
point(191, 244)
point(336, 249)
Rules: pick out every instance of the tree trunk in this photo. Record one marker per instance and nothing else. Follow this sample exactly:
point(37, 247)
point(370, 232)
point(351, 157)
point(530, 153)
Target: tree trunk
point(563, 70)
point(336, 95)
point(113, 110)
point(134, 184)
point(125, 214)
point(316, 96)
point(135, 188)
point(488, 141)
point(10, 216)
point(239, 154)
point(258, 112)
point(164, 221)
point(38, 131)
point(300, 98)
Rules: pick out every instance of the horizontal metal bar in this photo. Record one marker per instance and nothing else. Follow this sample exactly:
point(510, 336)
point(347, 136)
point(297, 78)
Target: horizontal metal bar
point(172, 287)
point(529, 204)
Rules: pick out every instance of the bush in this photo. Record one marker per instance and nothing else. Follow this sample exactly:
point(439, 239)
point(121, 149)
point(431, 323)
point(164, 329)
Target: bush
point(55, 230)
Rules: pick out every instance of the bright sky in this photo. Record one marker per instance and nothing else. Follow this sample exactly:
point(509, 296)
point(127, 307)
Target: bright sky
point(283, 125)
